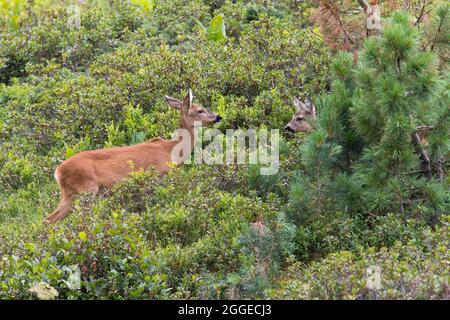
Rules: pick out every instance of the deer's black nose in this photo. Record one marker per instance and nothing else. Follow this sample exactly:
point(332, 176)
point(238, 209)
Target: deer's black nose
point(288, 128)
point(218, 118)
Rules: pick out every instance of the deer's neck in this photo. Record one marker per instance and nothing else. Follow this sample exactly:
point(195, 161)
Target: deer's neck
point(185, 141)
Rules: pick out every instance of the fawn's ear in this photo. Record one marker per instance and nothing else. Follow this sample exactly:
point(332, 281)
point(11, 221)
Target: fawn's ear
point(309, 106)
point(175, 103)
point(187, 102)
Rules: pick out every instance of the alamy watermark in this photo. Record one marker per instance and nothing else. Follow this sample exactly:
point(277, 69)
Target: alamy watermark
point(373, 17)
point(73, 17)
point(373, 277)
point(239, 146)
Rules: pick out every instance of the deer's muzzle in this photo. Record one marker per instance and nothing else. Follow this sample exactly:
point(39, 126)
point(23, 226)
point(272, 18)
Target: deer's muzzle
point(288, 128)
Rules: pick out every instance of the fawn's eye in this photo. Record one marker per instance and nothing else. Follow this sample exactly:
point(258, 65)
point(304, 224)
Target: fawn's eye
point(299, 118)
point(201, 111)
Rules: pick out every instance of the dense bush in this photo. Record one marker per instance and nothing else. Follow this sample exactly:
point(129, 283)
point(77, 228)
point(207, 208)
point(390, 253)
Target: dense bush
point(146, 240)
point(414, 269)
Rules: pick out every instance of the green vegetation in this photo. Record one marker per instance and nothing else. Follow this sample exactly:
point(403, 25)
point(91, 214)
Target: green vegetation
point(364, 189)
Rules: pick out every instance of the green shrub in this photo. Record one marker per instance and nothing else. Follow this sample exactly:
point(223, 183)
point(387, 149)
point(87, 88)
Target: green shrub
point(146, 240)
point(351, 232)
point(408, 271)
point(75, 48)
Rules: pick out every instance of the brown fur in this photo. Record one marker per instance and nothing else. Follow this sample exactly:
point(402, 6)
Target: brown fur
point(97, 170)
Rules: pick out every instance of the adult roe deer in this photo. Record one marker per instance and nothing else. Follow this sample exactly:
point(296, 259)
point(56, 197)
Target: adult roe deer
point(301, 120)
point(95, 170)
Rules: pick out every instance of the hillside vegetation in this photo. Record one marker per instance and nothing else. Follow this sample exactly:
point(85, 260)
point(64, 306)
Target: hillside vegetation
point(365, 190)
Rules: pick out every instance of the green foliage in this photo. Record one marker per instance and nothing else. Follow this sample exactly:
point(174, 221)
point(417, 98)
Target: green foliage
point(10, 12)
point(146, 240)
point(53, 39)
point(439, 137)
point(408, 270)
point(267, 247)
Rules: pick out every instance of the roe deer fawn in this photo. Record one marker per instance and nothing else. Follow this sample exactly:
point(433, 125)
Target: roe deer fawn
point(301, 120)
point(92, 171)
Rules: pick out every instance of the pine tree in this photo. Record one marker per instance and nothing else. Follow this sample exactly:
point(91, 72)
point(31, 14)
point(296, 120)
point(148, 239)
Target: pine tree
point(397, 86)
point(367, 153)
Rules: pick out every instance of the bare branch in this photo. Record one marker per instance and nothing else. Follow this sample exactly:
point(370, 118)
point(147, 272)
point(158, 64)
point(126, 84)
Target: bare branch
point(424, 128)
point(421, 15)
point(424, 155)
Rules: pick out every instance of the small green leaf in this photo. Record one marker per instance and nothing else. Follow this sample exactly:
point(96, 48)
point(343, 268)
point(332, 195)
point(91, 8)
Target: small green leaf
point(69, 152)
point(82, 235)
point(146, 5)
point(216, 30)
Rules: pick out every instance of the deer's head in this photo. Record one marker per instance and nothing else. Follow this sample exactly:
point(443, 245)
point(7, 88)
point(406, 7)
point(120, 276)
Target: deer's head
point(304, 115)
point(191, 112)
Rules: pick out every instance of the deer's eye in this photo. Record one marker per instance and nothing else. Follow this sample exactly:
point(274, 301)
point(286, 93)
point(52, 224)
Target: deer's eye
point(201, 111)
point(299, 118)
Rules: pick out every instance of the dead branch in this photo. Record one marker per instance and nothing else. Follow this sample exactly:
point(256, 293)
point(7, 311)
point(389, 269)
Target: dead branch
point(424, 128)
point(421, 14)
point(424, 155)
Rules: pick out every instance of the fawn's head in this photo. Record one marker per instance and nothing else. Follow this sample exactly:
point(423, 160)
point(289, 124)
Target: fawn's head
point(191, 112)
point(304, 115)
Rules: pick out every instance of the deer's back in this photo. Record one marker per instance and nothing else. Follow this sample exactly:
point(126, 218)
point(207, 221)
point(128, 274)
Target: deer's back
point(107, 166)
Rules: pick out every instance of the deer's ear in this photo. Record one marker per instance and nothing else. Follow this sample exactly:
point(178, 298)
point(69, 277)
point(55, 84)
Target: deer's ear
point(309, 106)
point(175, 103)
point(298, 104)
point(187, 102)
